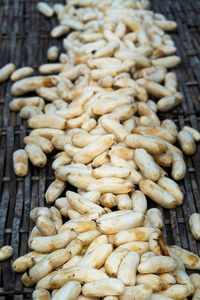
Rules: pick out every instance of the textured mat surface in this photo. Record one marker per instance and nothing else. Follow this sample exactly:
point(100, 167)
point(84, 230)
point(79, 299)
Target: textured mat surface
point(24, 40)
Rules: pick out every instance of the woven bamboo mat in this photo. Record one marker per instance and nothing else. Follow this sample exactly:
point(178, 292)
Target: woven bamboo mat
point(24, 40)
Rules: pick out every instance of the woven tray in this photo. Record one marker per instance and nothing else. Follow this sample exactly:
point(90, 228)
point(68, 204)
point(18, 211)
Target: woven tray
point(24, 40)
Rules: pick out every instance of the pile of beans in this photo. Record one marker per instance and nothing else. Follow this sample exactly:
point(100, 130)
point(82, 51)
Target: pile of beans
point(97, 107)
